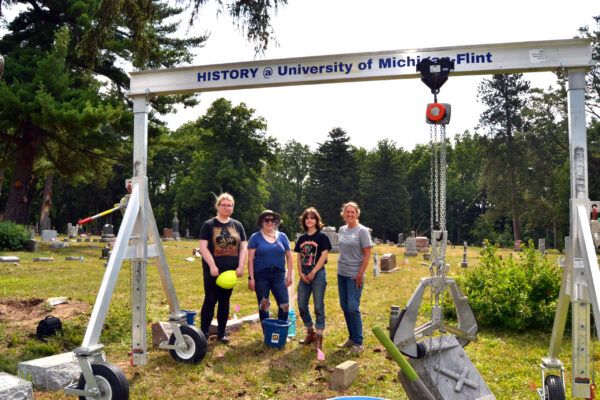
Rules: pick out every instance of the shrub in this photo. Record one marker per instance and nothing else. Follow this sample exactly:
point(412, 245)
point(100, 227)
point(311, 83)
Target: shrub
point(514, 294)
point(13, 237)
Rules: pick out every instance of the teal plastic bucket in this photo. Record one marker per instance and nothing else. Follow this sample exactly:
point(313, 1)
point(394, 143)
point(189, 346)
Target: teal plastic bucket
point(275, 332)
point(190, 316)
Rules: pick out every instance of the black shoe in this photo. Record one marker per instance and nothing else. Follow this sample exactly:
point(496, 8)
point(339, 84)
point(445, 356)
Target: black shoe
point(223, 339)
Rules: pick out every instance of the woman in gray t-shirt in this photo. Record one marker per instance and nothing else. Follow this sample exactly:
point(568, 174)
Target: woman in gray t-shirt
point(355, 252)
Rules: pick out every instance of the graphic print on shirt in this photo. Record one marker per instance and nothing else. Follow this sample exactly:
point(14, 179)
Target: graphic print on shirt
point(226, 241)
point(308, 254)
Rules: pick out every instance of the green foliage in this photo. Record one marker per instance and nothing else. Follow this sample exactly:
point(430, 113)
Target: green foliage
point(512, 294)
point(13, 237)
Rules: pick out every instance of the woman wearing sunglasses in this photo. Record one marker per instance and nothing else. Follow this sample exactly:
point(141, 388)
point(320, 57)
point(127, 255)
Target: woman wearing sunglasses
point(268, 252)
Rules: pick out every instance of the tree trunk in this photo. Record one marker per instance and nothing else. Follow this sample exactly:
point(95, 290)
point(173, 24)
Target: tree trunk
point(17, 205)
point(555, 226)
point(1, 179)
point(46, 203)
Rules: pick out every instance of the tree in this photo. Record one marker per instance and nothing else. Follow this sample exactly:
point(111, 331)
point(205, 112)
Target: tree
point(232, 152)
point(334, 176)
point(386, 202)
point(593, 76)
point(464, 198)
point(505, 97)
point(46, 108)
point(418, 186)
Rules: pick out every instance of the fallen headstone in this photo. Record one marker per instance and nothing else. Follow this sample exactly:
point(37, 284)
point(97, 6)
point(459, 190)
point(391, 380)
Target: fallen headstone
point(251, 319)
point(53, 301)
point(42, 259)
point(233, 325)
point(15, 388)
point(51, 373)
point(9, 259)
point(161, 332)
point(57, 245)
point(343, 375)
point(74, 259)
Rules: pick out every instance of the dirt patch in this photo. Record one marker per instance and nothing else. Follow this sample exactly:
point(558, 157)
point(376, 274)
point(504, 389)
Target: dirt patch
point(25, 314)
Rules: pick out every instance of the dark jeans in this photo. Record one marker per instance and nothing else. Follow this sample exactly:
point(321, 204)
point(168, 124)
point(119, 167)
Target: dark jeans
point(350, 303)
point(317, 287)
point(271, 280)
point(214, 294)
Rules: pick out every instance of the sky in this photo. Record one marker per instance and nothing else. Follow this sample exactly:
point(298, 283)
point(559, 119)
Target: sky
point(373, 111)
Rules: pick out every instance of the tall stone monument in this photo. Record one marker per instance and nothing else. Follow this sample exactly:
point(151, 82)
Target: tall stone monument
point(175, 226)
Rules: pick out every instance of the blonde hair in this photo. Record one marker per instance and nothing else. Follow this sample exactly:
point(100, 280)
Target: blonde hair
point(224, 196)
point(350, 204)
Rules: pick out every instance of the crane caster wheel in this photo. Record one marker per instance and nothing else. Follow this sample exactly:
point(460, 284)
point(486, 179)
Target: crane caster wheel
point(554, 388)
point(195, 345)
point(111, 381)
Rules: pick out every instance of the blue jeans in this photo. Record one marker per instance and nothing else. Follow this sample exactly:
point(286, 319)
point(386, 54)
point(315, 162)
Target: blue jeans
point(350, 304)
point(271, 280)
point(317, 287)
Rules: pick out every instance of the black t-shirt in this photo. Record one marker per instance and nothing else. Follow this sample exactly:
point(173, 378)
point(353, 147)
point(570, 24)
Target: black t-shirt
point(310, 248)
point(223, 242)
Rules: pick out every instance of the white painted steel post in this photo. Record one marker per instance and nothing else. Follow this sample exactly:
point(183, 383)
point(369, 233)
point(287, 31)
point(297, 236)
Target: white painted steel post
point(141, 109)
point(580, 300)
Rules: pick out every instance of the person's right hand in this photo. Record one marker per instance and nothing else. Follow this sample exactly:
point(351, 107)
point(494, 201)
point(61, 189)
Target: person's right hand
point(214, 271)
point(251, 285)
point(304, 279)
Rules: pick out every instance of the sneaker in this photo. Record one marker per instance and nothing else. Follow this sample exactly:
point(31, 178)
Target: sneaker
point(356, 349)
point(223, 339)
point(347, 344)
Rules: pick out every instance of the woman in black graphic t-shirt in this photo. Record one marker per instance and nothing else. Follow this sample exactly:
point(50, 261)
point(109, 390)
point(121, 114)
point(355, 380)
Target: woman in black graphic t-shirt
point(223, 247)
point(312, 248)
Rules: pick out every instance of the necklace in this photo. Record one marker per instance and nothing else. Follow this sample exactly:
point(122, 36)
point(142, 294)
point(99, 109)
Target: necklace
point(269, 235)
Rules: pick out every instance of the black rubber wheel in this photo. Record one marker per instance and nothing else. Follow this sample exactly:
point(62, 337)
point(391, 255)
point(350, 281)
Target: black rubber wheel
point(111, 381)
point(196, 346)
point(554, 388)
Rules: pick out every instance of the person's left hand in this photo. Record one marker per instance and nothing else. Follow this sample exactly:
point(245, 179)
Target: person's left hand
point(359, 280)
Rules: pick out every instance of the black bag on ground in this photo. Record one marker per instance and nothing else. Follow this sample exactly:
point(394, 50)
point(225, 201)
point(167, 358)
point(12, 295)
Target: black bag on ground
point(49, 326)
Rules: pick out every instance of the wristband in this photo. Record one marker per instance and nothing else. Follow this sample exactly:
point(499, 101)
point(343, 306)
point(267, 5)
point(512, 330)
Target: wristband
point(249, 278)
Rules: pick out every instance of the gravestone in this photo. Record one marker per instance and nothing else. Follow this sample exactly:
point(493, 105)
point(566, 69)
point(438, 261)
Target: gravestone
point(483, 245)
point(51, 373)
point(422, 243)
point(49, 235)
point(448, 372)
point(32, 245)
point(108, 234)
point(411, 247)
point(105, 253)
point(14, 388)
point(73, 231)
point(333, 238)
point(518, 245)
point(187, 233)
point(401, 239)
point(168, 234)
point(388, 262)
point(464, 263)
point(31, 233)
point(542, 246)
point(376, 265)
point(175, 227)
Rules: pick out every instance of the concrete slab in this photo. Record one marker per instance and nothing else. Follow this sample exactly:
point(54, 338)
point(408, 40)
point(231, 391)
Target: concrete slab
point(9, 259)
point(251, 319)
point(51, 373)
point(14, 388)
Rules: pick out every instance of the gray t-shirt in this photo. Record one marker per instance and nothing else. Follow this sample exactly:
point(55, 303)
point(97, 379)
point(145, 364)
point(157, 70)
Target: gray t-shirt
point(351, 242)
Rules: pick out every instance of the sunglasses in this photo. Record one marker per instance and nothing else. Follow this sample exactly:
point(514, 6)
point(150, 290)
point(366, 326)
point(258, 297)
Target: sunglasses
point(270, 219)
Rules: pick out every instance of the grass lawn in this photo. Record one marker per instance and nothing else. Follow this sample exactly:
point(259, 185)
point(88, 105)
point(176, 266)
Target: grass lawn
point(246, 368)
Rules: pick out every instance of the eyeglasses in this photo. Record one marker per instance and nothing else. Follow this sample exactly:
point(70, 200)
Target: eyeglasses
point(226, 205)
point(270, 219)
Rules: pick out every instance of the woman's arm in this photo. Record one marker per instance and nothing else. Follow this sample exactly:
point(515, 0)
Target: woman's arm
point(363, 267)
point(290, 268)
point(251, 268)
point(206, 256)
point(299, 266)
point(242, 261)
point(319, 265)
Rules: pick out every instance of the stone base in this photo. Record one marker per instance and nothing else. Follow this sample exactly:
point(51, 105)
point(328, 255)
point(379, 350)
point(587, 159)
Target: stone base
point(409, 253)
point(390, 271)
point(51, 373)
point(232, 326)
point(343, 375)
point(13, 388)
point(448, 373)
point(161, 332)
